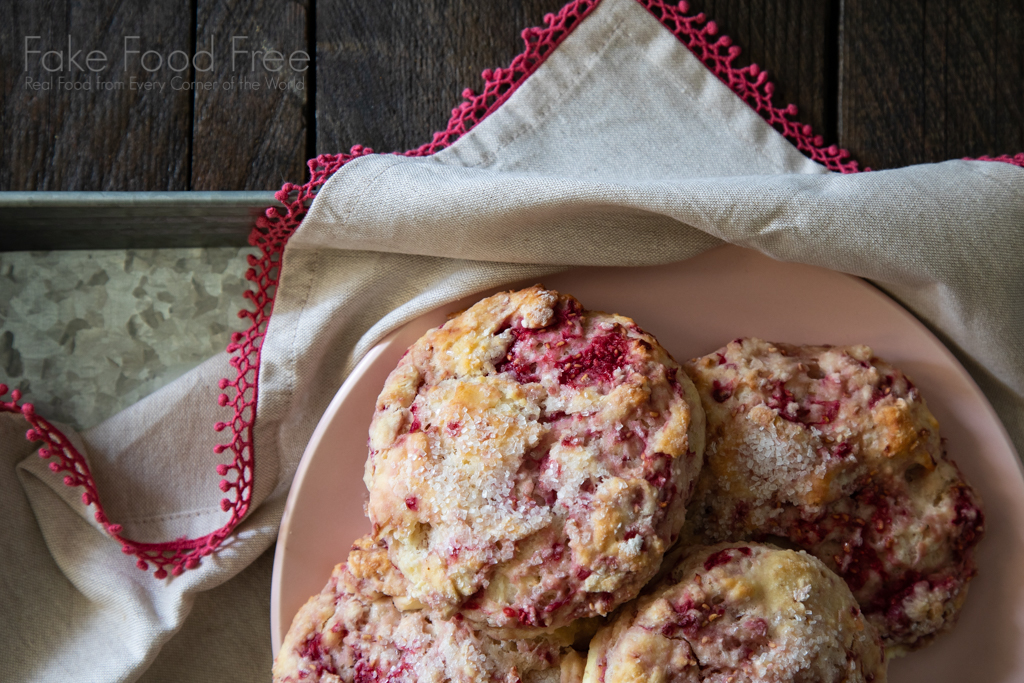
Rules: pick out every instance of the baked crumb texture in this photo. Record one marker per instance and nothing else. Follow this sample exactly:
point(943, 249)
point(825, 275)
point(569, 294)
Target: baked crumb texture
point(833, 450)
point(741, 613)
point(354, 631)
point(531, 461)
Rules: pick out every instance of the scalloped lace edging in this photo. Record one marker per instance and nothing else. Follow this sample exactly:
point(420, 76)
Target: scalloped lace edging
point(270, 235)
point(1015, 159)
point(272, 231)
point(750, 83)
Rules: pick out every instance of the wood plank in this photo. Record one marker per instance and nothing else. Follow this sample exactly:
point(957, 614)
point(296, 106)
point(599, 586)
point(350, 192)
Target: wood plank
point(249, 135)
point(387, 77)
point(389, 74)
point(929, 81)
point(125, 139)
point(1008, 39)
point(793, 41)
point(42, 221)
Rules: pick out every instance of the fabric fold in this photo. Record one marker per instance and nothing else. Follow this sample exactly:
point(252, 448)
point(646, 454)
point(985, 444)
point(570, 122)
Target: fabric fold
point(621, 149)
point(936, 237)
point(79, 607)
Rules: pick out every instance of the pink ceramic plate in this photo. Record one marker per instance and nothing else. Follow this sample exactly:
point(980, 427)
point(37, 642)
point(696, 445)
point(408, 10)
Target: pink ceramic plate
point(693, 308)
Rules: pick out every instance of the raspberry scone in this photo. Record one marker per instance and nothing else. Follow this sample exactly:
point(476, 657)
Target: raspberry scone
point(353, 631)
point(741, 613)
point(834, 450)
point(530, 461)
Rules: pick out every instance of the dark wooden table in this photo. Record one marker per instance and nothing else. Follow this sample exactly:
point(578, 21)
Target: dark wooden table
point(895, 82)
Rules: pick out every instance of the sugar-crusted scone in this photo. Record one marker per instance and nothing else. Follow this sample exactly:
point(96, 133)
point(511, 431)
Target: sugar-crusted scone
point(353, 632)
point(836, 451)
point(741, 613)
point(530, 461)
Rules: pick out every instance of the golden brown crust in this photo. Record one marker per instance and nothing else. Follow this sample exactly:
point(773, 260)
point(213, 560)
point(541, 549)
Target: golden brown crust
point(834, 450)
point(530, 461)
point(354, 631)
point(744, 613)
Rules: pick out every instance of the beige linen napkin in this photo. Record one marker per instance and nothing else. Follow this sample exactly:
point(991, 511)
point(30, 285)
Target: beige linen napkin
point(621, 149)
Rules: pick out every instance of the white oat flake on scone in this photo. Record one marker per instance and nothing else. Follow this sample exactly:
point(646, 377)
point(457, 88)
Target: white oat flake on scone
point(531, 461)
point(835, 451)
point(353, 632)
point(740, 613)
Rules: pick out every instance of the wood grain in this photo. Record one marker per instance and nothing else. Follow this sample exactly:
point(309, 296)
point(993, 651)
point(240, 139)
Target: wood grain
point(1008, 40)
point(794, 42)
point(895, 82)
point(249, 134)
point(389, 74)
point(92, 139)
point(43, 221)
point(929, 81)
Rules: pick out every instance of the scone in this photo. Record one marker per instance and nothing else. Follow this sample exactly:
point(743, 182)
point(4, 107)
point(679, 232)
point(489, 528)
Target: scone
point(530, 461)
point(835, 451)
point(352, 632)
point(741, 613)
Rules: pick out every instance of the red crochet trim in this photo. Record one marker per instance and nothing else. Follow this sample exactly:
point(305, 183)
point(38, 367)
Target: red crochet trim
point(176, 555)
point(1016, 159)
point(270, 235)
point(750, 83)
point(499, 84)
point(272, 231)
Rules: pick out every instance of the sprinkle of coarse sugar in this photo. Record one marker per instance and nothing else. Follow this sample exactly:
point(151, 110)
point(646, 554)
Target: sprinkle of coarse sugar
point(632, 547)
point(470, 470)
point(852, 410)
point(514, 449)
point(777, 465)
